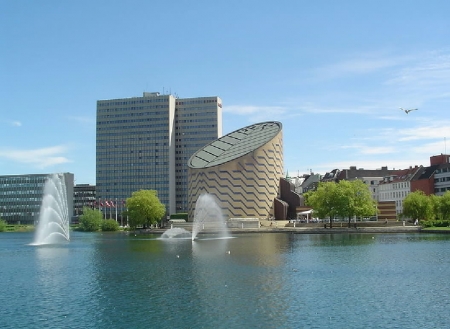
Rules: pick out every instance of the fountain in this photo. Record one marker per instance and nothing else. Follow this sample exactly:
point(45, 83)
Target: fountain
point(176, 233)
point(53, 226)
point(208, 215)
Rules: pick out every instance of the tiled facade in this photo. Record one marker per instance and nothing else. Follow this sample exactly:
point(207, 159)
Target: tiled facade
point(242, 170)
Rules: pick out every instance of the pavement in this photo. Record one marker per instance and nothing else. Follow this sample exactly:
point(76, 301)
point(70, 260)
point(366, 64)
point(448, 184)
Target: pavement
point(308, 229)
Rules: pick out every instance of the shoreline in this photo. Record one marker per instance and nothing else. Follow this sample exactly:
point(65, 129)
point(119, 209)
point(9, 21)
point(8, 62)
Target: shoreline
point(307, 230)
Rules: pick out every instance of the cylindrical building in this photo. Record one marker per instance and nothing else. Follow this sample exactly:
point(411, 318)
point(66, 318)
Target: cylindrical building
point(241, 170)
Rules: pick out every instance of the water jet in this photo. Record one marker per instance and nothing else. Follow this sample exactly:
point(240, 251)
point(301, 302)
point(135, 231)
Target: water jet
point(53, 225)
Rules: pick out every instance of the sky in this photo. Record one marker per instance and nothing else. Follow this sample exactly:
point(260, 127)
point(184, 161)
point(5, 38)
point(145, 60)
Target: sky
point(334, 73)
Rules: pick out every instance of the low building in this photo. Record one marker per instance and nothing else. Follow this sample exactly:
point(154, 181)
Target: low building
point(21, 196)
point(84, 195)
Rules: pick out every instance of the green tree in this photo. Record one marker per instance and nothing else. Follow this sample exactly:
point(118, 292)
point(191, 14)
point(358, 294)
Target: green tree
point(109, 225)
point(357, 199)
point(326, 200)
point(418, 206)
point(2, 225)
point(344, 199)
point(144, 208)
point(444, 206)
point(91, 219)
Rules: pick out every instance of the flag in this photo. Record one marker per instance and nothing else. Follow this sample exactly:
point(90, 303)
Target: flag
point(112, 204)
point(107, 204)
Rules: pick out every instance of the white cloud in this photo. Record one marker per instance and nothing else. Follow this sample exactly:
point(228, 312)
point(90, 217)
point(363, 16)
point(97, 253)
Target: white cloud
point(14, 123)
point(256, 113)
point(40, 158)
point(358, 66)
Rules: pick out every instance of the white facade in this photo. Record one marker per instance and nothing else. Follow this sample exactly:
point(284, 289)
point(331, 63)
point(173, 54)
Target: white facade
point(397, 192)
point(442, 179)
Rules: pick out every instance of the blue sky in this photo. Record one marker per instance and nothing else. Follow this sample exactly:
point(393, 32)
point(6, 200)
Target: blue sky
point(333, 72)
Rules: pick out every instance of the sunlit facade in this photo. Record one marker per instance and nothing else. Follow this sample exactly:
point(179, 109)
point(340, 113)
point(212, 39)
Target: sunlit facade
point(241, 170)
point(145, 142)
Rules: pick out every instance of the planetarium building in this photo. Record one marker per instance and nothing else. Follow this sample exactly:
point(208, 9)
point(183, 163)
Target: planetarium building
point(241, 170)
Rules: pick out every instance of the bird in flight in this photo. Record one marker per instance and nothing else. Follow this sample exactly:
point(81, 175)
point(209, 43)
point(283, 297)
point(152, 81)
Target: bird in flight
point(407, 111)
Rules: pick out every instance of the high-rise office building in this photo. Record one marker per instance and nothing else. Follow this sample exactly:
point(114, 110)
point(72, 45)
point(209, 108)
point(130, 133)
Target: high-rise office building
point(145, 143)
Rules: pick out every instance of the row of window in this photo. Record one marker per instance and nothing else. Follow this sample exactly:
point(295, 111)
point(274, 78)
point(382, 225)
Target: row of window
point(442, 189)
point(132, 102)
point(393, 195)
point(199, 112)
point(394, 186)
point(196, 101)
point(150, 116)
point(442, 179)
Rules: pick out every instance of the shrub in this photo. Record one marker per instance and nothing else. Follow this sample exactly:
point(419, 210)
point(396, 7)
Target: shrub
point(2, 225)
point(90, 220)
point(109, 225)
point(435, 223)
point(180, 215)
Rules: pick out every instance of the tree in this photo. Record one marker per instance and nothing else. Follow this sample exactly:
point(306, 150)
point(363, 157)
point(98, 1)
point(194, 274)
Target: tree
point(418, 206)
point(326, 200)
point(91, 219)
point(144, 208)
point(357, 199)
point(344, 199)
point(444, 205)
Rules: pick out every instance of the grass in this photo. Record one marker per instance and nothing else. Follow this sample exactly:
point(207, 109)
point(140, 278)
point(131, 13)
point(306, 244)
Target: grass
point(19, 228)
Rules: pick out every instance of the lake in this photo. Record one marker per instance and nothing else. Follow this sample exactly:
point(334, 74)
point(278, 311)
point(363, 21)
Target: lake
point(257, 280)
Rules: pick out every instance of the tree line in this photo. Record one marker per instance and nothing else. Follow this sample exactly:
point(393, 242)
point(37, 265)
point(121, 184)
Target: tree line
point(143, 209)
point(349, 199)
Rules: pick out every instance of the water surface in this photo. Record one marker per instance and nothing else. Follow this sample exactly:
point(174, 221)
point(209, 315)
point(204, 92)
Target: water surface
point(268, 280)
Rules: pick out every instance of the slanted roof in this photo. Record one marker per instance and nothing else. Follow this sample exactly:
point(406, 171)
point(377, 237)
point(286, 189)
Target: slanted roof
point(235, 144)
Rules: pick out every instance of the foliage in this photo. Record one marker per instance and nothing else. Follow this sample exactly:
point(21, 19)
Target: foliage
point(418, 206)
point(345, 199)
point(144, 208)
point(180, 215)
point(90, 220)
point(358, 199)
point(444, 206)
point(2, 225)
point(326, 200)
point(109, 225)
point(435, 223)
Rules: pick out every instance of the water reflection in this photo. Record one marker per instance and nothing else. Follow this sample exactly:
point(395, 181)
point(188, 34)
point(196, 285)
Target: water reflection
point(252, 281)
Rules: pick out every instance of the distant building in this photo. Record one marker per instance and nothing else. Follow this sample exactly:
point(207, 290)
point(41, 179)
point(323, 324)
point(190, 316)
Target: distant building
point(397, 186)
point(21, 196)
point(371, 177)
point(442, 173)
point(145, 143)
point(306, 182)
point(83, 196)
